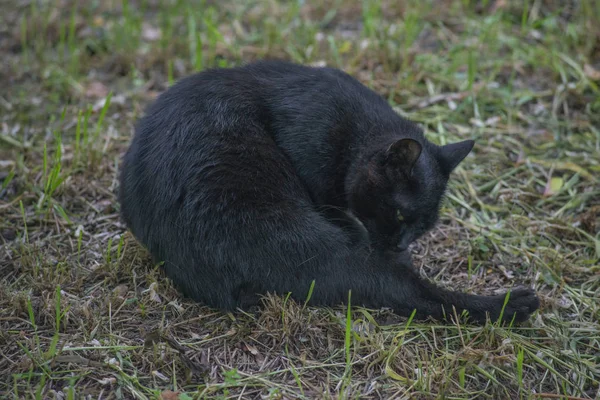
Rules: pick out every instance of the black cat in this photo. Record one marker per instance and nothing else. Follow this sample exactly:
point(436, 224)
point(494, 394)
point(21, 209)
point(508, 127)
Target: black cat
point(251, 180)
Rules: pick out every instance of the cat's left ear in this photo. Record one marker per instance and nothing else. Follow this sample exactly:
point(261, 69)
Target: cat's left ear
point(452, 154)
point(402, 155)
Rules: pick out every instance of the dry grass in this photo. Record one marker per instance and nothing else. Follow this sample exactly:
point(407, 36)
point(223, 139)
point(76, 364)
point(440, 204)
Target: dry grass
point(83, 312)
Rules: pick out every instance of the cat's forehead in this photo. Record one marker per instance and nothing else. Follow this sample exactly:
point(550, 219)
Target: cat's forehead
point(428, 175)
point(425, 190)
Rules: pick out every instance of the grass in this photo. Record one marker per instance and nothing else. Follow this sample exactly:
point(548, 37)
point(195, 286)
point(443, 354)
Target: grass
point(83, 312)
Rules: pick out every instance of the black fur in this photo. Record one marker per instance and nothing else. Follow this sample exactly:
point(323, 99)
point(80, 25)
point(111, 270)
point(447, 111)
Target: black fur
point(247, 180)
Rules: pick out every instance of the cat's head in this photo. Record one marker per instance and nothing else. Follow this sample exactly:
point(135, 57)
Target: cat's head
point(396, 193)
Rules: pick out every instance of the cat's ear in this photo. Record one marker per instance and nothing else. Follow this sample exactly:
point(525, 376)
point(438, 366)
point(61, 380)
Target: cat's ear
point(452, 154)
point(402, 155)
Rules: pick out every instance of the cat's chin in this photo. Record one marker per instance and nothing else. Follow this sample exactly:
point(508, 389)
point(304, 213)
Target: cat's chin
point(389, 247)
point(394, 250)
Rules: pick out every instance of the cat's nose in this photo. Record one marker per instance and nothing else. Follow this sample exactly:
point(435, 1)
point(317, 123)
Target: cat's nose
point(401, 247)
point(404, 243)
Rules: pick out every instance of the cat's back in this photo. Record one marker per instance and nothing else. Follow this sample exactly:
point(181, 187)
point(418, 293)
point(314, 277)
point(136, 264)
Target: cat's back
point(244, 85)
point(217, 100)
point(285, 79)
point(255, 92)
point(210, 99)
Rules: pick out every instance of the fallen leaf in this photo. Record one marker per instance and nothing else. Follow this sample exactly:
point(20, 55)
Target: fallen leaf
point(160, 376)
point(96, 90)
point(152, 292)
point(492, 121)
point(169, 395)
point(505, 272)
point(120, 291)
point(6, 164)
point(477, 122)
point(150, 32)
point(176, 306)
point(346, 47)
point(591, 72)
point(553, 186)
point(118, 99)
point(113, 361)
point(249, 348)
point(107, 381)
point(152, 94)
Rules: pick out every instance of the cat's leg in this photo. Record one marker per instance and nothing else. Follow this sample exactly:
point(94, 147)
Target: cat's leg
point(404, 291)
point(441, 302)
point(379, 280)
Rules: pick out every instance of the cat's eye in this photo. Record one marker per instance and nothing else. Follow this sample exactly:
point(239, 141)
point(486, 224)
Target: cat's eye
point(399, 216)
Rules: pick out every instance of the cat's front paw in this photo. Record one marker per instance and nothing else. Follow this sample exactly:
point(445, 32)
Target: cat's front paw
point(522, 302)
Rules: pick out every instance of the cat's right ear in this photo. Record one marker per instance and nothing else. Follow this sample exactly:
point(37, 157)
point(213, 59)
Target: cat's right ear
point(402, 155)
point(452, 154)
